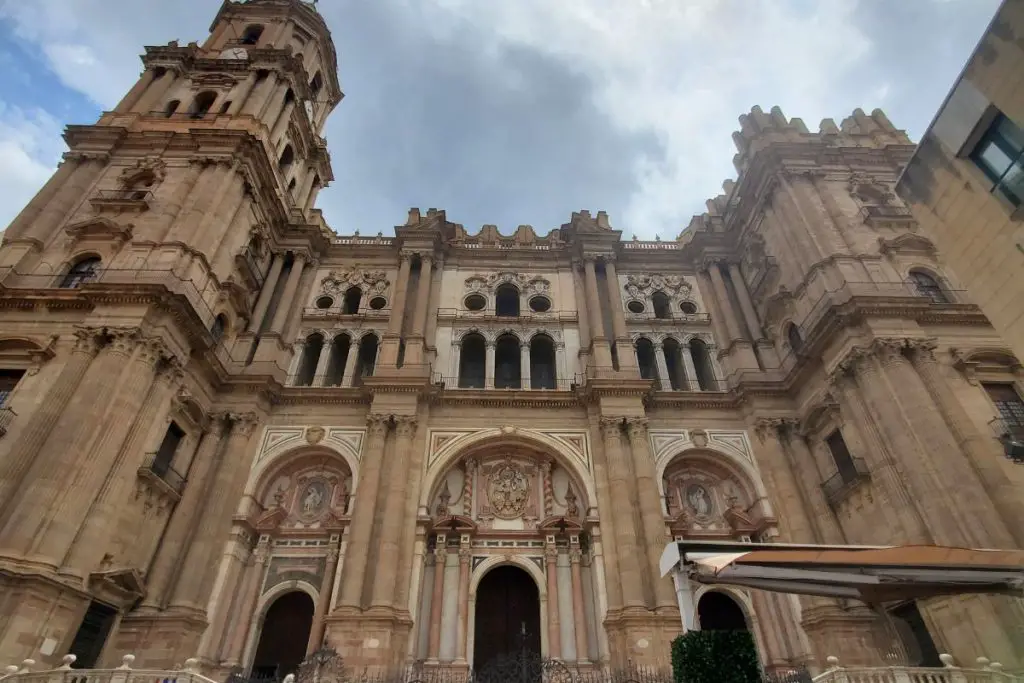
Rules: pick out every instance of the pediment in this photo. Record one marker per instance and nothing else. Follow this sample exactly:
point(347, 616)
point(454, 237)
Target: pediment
point(100, 229)
point(907, 243)
point(122, 587)
point(461, 523)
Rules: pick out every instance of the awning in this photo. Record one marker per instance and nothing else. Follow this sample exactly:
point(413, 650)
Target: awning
point(872, 574)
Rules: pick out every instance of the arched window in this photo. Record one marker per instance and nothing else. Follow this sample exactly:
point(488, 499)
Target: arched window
point(507, 371)
point(928, 287)
point(506, 301)
point(291, 185)
point(543, 367)
point(662, 305)
point(202, 103)
point(473, 362)
point(171, 108)
point(310, 357)
point(335, 373)
point(316, 84)
point(646, 360)
point(289, 97)
point(286, 160)
point(796, 341)
point(353, 296)
point(719, 612)
point(367, 358)
point(81, 272)
point(220, 326)
point(702, 365)
point(251, 34)
point(674, 364)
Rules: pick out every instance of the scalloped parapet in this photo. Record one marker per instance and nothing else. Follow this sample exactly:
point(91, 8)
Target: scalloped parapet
point(759, 131)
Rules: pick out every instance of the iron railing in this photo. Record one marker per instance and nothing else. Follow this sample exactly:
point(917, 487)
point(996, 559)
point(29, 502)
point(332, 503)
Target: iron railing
point(672, 317)
point(122, 195)
point(507, 384)
point(836, 486)
point(490, 315)
point(163, 471)
point(1011, 434)
point(6, 418)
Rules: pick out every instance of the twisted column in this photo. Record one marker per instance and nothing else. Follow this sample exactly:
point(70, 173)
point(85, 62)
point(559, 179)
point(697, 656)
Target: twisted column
point(384, 582)
point(363, 510)
point(651, 514)
point(630, 574)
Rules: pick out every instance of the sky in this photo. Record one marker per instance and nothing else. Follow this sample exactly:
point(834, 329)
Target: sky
point(511, 112)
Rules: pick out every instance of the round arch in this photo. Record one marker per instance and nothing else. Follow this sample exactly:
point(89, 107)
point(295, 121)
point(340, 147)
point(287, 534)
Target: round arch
point(735, 464)
point(263, 605)
point(478, 574)
point(466, 445)
point(743, 601)
point(271, 462)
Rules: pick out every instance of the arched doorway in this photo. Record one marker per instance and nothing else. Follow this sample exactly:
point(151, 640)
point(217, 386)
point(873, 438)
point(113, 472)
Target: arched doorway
point(719, 612)
point(284, 636)
point(507, 615)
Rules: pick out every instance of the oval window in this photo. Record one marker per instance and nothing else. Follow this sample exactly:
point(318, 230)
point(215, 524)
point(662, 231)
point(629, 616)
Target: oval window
point(688, 307)
point(324, 302)
point(635, 306)
point(475, 302)
point(378, 302)
point(540, 304)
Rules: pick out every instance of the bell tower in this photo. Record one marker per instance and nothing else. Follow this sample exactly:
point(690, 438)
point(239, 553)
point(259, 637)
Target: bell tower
point(173, 239)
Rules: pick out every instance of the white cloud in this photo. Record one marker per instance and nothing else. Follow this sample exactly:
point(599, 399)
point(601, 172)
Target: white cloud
point(30, 147)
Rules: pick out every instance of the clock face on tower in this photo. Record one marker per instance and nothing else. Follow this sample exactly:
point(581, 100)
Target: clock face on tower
point(234, 53)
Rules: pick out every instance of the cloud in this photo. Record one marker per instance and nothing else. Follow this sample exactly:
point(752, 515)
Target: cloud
point(521, 112)
point(30, 147)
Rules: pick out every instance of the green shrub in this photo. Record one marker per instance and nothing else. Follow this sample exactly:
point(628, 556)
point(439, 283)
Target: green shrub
point(715, 657)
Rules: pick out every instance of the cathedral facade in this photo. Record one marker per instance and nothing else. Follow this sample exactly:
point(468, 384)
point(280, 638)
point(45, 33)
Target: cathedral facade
point(228, 433)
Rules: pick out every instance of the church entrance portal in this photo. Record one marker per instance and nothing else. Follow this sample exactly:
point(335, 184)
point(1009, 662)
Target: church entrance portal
point(507, 616)
point(284, 636)
point(719, 612)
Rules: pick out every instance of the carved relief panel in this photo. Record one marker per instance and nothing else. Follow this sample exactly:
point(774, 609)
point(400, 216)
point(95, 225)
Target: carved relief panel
point(703, 500)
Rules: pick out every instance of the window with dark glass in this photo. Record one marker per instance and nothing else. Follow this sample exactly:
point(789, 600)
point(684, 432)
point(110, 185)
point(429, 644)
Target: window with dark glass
point(928, 287)
point(8, 380)
point(168, 447)
point(1000, 155)
point(841, 455)
point(1008, 403)
point(80, 273)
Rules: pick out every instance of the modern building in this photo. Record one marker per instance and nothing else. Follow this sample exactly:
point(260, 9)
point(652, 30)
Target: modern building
point(228, 432)
point(965, 182)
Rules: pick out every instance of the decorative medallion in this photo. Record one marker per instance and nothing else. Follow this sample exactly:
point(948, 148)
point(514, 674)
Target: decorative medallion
point(315, 435)
point(699, 500)
point(314, 498)
point(508, 490)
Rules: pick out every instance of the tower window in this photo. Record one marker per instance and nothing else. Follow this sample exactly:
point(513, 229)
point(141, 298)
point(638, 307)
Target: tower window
point(171, 108)
point(316, 84)
point(506, 301)
point(252, 34)
point(286, 160)
point(202, 103)
point(8, 380)
point(220, 326)
point(80, 273)
point(796, 342)
point(928, 287)
point(662, 305)
point(841, 455)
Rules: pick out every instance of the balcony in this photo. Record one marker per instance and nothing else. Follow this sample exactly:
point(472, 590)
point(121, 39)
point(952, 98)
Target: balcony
point(1011, 434)
point(839, 485)
point(155, 469)
point(124, 199)
point(6, 418)
point(877, 215)
point(477, 383)
point(27, 673)
point(984, 671)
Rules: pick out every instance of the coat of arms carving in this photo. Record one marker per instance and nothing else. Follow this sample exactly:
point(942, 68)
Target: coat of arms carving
point(508, 490)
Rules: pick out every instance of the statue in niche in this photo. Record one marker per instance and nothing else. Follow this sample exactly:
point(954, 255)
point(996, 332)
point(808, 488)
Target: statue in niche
point(313, 498)
point(699, 499)
point(443, 500)
point(571, 509)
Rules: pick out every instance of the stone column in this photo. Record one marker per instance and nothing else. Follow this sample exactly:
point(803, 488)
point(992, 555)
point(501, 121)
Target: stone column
point(582, 315)
point(385, 578)
point(284, 306)
point(664, 380)
point(579, 617)
point(126, 103)
point(715, 307)
point(651, 515)
point(185, 518)
point(153, 94)
point(91, 542)
point(722, 297)
point(86, 168)
point(248, 598)
point(781, 482)
point(630, 573)
point(363, 510)
point(350, 363)
point(490, 370)
point(323, 605)
point(465, 556)
point(55, 184)
point(200, 563)
point(26, 450)
point(626, 359)
point(554, 623)
point(174, 201)
point(454, 362)
point(689, 368)
point(417, 348)
point(803, 464)
point(321, 362)
point(255, 103)
point(524, 365)
point(599, 340)
point(982, 452)
point(746, 304)
point(437, 601)
point(242, 95)
point(272, 103)
point(398, 300)
point(604, 544)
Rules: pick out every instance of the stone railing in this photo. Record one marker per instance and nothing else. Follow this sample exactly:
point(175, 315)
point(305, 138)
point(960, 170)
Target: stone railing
point(25, 673)
point(983, 672)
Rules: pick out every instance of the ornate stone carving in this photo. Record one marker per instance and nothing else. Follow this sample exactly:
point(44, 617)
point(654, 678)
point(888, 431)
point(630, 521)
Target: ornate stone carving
point(244, 423)
point(377, 424)
point(699, 501)
point(443, 499)
point(88, 340)
point(639, 286)
point(610, 426)
point(405, 425)
point(373, 282)
point(508, 490)
point(314, 498)
point(526, 283)
point(636, 427)
point(315, 435)
point(571, 509)
point(151, 168)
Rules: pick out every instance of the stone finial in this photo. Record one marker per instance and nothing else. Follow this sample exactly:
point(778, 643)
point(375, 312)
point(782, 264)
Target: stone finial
point(65, 662)
point(26, 666)
point(602, 220)
point(192, 665)
point(290, 678)
point(11, 670)
point(832, 661)
point(983, 663)
point(126, 662)
point(996, 666)
point(414, 216)
point(828, 127)
point(947, 660)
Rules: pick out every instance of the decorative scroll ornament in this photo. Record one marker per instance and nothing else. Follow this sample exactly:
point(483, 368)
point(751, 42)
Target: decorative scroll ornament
point(508, 491)
point(640, 286)
point(525, 282)
point(372, 281)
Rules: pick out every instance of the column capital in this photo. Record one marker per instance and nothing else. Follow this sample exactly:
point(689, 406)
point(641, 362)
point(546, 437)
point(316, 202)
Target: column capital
point(440, 553)
point(575, 554)
point(465, 554)
point(551, 553)
point(405, 425)
point(610, 426)
point(170, 371)
point(922, 350)
point(244, 424)
point(780, 427)
point(889, 350)
point(88, 340)
point(378, 424)
point(404, 256)
point(122, 340)
point(636, 427)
